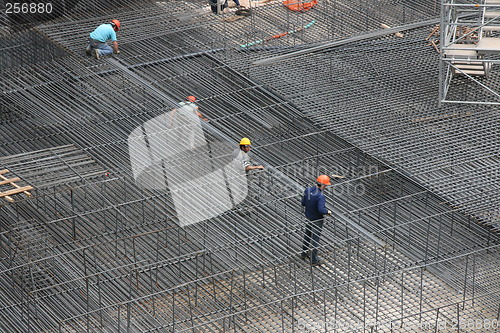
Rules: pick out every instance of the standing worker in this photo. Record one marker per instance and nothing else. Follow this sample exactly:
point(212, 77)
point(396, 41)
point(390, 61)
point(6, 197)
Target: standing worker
point(98, 38)
point(242, 155)
point(315, 210)
point(219, 6)
point(184, 125)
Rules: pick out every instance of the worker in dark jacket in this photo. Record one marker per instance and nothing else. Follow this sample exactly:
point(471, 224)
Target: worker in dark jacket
point(315, 210)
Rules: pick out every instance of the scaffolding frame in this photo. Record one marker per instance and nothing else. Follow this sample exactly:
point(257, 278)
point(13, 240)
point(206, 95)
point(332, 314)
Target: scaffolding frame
point(468, 52)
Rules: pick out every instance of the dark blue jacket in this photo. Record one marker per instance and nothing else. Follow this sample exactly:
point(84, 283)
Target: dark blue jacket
point(314, 201)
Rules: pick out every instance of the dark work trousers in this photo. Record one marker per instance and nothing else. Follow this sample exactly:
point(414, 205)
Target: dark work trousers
point(311, 238)
point(217, 8)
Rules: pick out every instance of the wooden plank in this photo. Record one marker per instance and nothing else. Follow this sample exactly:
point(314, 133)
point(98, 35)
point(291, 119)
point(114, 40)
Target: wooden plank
point(397, 34)
point(491, 28)
point(470, 72)
point(13, 184)
point(7, 181)
point(435, 46)
point(462, 51)
point(488, 45)
point(16, 190)
point(491, 14)
point(434, 31)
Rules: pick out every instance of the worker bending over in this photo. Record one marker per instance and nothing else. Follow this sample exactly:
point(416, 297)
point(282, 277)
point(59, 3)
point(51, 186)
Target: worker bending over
point(98, 46)
point(315, 210)
point(189, 103)
point(184, 127)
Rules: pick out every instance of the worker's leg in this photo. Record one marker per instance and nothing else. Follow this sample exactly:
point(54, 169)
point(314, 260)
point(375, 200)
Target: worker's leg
point(213, 5)
point(104, 49)
point(253, 188)
point(90, 47)
point(307, 238)
point(221, 6)
point(317, 226)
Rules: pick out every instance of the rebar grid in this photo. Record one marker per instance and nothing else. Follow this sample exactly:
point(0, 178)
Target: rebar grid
point(240, 248)
point(378, 107)
point(105, 254)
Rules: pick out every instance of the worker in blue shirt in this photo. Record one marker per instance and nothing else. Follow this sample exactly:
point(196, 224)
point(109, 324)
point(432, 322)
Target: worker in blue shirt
point(315, 210)
point(97, 40)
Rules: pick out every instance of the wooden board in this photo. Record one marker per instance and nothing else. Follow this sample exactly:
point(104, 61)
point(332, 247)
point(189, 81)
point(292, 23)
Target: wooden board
point(8, 181)
point(12, 182)
point(16, 190)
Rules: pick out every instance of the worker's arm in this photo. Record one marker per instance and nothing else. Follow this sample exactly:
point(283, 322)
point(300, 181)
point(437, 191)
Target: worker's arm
point(322, 206)
point(201, 116)
point(115, 47)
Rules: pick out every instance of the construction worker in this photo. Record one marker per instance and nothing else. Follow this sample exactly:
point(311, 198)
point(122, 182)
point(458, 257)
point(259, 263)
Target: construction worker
point(184, 120)
point(219, 6)
point(253, 189)
point(315, 210)
point(189, 103)
point(98, 38)
point(242, 155)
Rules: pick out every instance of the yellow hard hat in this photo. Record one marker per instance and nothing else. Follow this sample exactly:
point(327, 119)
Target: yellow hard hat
point(245, 142)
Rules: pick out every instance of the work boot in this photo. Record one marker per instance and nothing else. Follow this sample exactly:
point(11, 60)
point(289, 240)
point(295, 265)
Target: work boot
point(318, 262)
point(88, 51)
point(96, 54)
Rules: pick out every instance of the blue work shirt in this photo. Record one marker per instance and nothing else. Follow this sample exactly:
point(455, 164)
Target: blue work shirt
point(314, 201)
point(103, 33)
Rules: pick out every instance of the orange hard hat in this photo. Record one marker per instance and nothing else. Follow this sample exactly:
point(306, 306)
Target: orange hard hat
point(192, 99)
point(324, 180)
point(116, 24)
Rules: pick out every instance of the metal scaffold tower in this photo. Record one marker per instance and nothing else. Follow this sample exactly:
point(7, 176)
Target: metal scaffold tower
point(470, 45)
